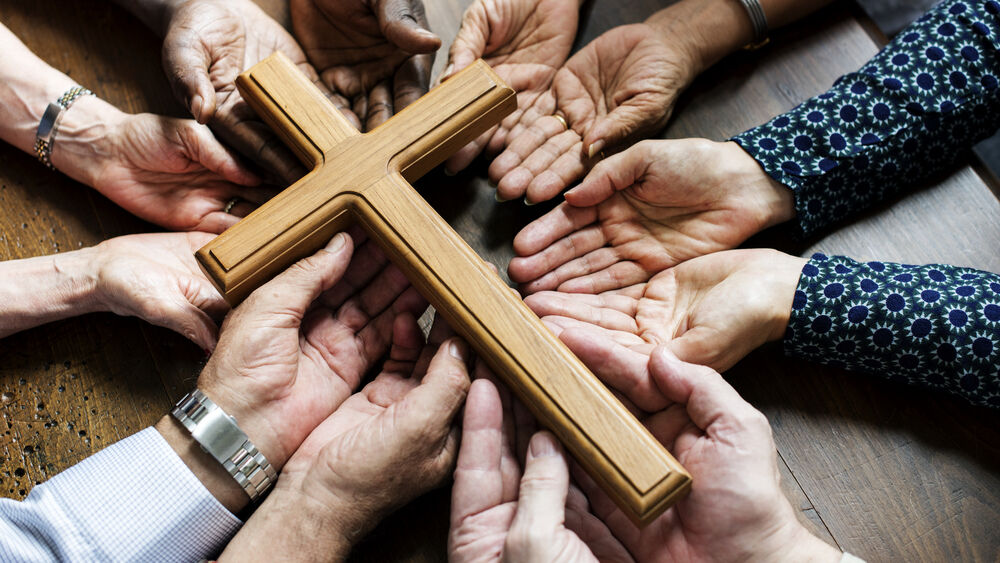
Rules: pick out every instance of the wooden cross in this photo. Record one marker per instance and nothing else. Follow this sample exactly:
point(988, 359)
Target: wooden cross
point(366, 178)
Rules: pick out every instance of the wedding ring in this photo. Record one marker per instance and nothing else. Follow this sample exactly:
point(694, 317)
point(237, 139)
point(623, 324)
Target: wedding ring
point(562, 120)
point(230, 204)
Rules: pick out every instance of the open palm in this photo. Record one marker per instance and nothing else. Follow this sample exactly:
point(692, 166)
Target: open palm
point(526, 42)
point(618, 88)
point(644, 210)
point(712, 310)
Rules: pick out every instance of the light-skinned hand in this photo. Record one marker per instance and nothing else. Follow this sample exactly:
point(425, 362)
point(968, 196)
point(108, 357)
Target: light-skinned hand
point(712, 310)
point(641, 211)
point(618, 88)
point(498, 514)
point(525, 42)
point(299, 345)
point(385, 445)
point(735, 510)
point(375, 54)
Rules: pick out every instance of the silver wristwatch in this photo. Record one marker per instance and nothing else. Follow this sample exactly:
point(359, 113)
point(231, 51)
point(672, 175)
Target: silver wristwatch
point(220, 437)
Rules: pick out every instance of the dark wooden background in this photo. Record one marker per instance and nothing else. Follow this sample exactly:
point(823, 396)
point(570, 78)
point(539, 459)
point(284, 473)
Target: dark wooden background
point(885, 472)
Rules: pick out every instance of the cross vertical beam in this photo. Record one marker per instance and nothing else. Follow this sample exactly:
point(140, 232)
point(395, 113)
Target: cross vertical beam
point(365, 178)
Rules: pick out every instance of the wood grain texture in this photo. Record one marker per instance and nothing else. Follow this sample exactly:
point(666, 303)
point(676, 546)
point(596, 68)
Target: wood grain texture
point(365, 178)
point(889, 473)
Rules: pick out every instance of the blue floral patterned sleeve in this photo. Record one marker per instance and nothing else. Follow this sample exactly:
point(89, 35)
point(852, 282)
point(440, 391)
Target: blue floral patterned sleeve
point(935, 326)
point(909, 113)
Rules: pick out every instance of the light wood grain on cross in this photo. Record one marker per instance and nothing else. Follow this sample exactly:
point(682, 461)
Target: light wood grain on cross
point(365, 178)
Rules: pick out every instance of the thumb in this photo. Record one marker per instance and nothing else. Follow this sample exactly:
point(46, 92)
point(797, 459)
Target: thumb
point(470, 42)
point(292, 291)
point(404, 24)
point(709, 399)
point(611, 175)
point(202, 147)
point(186, 62)
point(635, 117)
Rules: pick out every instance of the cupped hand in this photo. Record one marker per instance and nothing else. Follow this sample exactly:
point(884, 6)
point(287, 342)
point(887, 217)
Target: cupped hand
point(207, 44)
point(392, 441)
point(525, 42)
point(735, 510)
point(299, 345)
point(498, 514)
point(712, 310)
point(172, 172)
point(376, 54)
point(618, 88)
point(649, 208)
point(155, 277)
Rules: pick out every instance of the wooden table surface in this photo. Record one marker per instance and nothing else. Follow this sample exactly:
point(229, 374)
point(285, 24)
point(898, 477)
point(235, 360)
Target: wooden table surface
point(885, 472)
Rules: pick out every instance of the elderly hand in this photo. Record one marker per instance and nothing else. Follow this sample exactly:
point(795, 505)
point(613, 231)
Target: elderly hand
point(299, 345)
point(377, 54)
point(619, 87)
point(526, 42)
point(384, 446)
point(498, 514)
point(150, 276)
point(168, 171)
point(651, 207)
point(207, 44)
point(711, 310)
point(735, 510)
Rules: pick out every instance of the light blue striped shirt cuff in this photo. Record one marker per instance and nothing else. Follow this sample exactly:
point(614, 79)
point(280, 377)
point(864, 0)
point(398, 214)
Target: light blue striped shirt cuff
point(135, 500)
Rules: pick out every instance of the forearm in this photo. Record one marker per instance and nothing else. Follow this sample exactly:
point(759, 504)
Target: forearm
point(910, 113)
point(293, 526)
point(712, 29)
point(934, 326)
point(35, 291)
point(27, 86)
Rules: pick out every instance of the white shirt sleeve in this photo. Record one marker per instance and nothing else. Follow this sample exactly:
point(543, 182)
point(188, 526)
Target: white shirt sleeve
point(135, 500)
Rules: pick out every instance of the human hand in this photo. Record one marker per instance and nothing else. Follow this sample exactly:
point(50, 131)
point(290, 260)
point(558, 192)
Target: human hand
point(498, 514)
point(155, 277)
point(618, 88)
point(735, 510)
point(712, 310)
point(297, 347)
point(172, 172)
point(207, 43)
point(384, 446)
point(525, 42)
point(376, 54)
point(649, 208)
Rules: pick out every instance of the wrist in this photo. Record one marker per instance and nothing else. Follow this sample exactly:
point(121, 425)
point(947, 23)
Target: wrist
point(84, 142)
point(707, 30)
point(795, 544)
point(781, 272)
point(770, 201)
point(206, 468)
point(299, 525)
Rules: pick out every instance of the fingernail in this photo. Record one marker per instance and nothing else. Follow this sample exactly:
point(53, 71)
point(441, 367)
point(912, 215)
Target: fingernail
point(542, 445)
point(595, 147)
point(196, 107)
point(448, 172)
point(457, 350)
point(528, 202)
point(427, 33)
point(336, 243)
point(208, 353)
point(448, 70)
point(496, 196)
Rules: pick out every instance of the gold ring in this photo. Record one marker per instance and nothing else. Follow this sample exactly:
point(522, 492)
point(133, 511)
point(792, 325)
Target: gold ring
point(562, 120)
point(230, 204)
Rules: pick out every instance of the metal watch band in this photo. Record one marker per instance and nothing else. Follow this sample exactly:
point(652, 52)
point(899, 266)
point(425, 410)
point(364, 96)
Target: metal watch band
point(220, 437)
point(759, 21)
point(49, 124)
